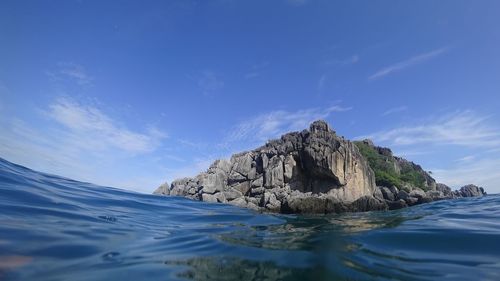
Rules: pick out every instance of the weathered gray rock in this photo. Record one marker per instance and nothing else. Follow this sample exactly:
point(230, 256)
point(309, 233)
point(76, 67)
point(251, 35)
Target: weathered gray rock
point(397, 204)
point(417, 193)
point(402, 195)
point(377, 193)
point(411, 201)
point(368, 203)
point(313, 171)
point(387, 193)
point(435, 195)
point(163, 189)
point(446, 190)
point(471, 190)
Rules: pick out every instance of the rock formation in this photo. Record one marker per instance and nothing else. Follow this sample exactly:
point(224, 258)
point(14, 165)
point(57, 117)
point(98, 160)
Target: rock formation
point(313, 171)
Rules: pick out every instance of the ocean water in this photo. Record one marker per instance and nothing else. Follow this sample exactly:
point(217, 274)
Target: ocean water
point(52, 228)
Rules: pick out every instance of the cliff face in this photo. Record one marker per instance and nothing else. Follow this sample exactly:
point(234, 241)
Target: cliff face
point(312, 163)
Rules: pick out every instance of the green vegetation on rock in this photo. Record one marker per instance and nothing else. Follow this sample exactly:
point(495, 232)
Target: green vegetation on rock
point(392, 171)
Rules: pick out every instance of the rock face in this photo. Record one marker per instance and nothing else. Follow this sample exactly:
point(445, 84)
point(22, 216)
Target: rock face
point(395, 199)
point(300, 172)
point(313, 171)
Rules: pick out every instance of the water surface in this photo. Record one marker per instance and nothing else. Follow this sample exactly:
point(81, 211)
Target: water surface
point(52, 228)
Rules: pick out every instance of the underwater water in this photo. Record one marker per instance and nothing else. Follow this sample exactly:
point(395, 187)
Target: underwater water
point(52, 228)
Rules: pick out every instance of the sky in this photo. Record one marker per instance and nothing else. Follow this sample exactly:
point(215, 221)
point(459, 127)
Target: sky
point(131, 94)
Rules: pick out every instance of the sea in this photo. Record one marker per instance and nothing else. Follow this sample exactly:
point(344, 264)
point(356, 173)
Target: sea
point(54, 228)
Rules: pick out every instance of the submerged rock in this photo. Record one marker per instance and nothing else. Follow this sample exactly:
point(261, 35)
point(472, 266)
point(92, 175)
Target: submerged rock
point(313, 171)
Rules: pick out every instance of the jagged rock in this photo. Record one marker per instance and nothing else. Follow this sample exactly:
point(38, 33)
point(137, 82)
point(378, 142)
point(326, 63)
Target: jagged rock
point(205, 197)
point(305, 204)
point(471, 190)
point(417, 193)
point(242, 187)
point(240, 202)
point(411, 201)
point(394, 190)
point(163, 189)
point(232, 194)
point(435, 195)
point(368, 203)
point(313, 171)
point(446, 190)
point(397, 204)
point(402, 195)
point(387, 193)
point(377, 193)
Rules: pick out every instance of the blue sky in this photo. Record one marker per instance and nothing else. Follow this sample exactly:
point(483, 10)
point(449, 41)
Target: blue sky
point(133, 93)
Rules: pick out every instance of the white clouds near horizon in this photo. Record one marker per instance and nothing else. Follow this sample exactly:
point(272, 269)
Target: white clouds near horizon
point(81, 141)
point(483, 172)
point(464, 128)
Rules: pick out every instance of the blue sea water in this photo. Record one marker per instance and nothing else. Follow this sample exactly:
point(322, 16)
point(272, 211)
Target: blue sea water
point(52, 228)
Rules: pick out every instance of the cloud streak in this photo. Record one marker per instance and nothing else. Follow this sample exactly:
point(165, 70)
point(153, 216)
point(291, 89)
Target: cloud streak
point(395, 110)
point(71, 71)
point(210, 83)
point(407, 63)
point(256, 70)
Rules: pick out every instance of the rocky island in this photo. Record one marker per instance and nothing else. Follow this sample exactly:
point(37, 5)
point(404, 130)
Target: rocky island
point(316, 171)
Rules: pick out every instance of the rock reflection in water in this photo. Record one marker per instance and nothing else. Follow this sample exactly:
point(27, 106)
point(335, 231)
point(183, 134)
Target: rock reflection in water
point(229, 268)
point(305, 232)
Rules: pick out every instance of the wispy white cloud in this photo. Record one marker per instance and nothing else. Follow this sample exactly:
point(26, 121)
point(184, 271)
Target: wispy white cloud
point(256, 70)
point(209, 83)
point(273, 124)
point(467, 158)
point(72, 71)
point(408, 63)
point(251, 75)
point(87, 124)
point(322, 81)
point(347, 61)
point(395, 110)
point(462, 128)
